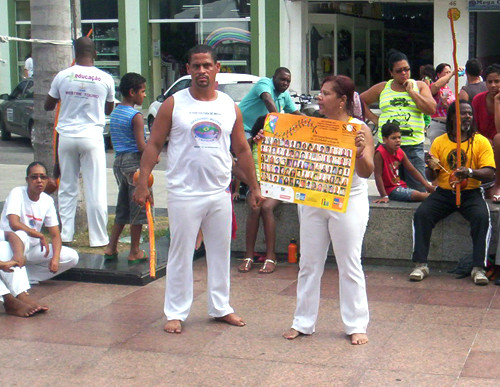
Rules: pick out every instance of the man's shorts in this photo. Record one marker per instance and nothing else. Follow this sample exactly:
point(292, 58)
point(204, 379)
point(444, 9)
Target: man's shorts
point(401, 194)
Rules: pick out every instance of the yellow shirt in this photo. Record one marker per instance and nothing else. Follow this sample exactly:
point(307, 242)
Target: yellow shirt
point(476, 154)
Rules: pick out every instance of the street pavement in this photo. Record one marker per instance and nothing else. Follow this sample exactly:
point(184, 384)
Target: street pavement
point(439, 332)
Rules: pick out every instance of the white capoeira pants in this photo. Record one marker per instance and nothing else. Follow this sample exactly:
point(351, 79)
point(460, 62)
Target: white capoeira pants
point(37, 264)
point(317, 227)
point(15, 282)
point(186, 215)
point(88, 156)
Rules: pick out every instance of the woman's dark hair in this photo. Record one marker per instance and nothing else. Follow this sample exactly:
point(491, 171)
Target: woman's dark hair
point(473, 67)
point(494, 68)
point(35, 163)
point(428, 71)
point(440, 67)
point(132, 81)
point(259, 124)
point(390, 127)
point(394, 56)
point(342, 85)
point(450, 117)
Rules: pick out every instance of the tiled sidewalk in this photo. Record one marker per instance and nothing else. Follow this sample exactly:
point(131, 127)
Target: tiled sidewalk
point(440, 332)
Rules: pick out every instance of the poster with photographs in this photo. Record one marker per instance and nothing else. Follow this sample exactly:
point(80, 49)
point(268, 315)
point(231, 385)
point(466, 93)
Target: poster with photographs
point(307, 160)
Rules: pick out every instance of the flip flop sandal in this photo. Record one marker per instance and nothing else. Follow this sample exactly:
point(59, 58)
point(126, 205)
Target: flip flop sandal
point(496, 199)
point(264, 267)
point(247, 267)
point(138, 260)
point(110, 257)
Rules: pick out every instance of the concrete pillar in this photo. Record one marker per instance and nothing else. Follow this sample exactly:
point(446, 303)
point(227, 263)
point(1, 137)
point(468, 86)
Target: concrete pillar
point(5, 58)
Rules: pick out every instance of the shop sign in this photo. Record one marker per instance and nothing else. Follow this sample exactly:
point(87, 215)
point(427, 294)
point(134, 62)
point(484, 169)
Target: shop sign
point(484, 5)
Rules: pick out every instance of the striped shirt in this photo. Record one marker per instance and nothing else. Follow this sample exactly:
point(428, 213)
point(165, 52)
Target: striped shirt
point(121, 130)
point(399, 106)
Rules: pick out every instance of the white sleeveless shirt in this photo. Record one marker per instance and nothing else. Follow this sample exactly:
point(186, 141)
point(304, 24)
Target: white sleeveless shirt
point(198, 159)
point(358, 184)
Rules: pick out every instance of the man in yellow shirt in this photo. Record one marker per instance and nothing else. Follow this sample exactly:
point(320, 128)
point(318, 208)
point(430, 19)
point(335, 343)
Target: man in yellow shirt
point(478, 165)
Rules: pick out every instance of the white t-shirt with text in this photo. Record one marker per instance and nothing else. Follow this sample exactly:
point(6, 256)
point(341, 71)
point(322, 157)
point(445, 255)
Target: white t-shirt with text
point(32, 214)
point(83, 91)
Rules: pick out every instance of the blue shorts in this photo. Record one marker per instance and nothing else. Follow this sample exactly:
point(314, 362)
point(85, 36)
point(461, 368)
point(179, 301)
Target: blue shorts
point(401, 194)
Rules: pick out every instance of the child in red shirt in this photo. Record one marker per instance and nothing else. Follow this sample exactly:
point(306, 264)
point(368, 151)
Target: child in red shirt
point(388, 158)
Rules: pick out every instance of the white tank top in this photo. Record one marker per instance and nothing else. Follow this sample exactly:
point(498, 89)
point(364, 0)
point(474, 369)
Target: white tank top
point(198, 158)
point(358, 184)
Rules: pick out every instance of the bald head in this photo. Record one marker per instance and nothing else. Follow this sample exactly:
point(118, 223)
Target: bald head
point(84, 48)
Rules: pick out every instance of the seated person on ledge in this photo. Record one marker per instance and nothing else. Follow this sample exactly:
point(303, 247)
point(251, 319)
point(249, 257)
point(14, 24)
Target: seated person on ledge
point(388, 158)
point(478, 165)
point(25, 211)
point(486, 107)
point(14, 282)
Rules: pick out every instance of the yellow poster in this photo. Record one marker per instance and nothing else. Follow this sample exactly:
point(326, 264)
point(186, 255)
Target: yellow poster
point(307, 160)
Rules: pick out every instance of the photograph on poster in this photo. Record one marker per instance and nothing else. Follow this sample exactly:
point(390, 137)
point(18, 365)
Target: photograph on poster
point(310, 160)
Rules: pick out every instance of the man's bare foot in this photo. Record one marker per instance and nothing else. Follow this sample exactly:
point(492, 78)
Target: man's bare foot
point(292, 334)
point(173, 326)
point(25, 297)
point(232, 319)
point(359, 338)
point(16, 307)
point(138, 256)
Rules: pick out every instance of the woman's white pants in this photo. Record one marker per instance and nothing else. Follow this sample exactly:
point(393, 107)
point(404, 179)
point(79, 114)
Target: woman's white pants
point(317, 227)
point(186, 216)
point(85, 155)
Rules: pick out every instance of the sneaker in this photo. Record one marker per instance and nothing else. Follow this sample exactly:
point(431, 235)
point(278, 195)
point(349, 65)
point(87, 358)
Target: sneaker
point(479, 276)
point(420, 272)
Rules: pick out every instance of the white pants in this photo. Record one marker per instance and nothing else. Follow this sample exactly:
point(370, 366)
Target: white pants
point(13, 283)
point(37, 265)
point(88, 156)
point(186, 216)
point(346, 231)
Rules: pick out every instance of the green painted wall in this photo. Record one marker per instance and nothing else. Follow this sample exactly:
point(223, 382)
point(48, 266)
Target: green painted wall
point(145, 51)
point(254, 36)
point(122, 34)
point(272, 36)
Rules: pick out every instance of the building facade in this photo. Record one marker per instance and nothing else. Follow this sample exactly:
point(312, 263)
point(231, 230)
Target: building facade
point(312, 38)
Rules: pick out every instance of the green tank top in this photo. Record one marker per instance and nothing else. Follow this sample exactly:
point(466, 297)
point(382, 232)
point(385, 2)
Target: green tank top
point(399, 106)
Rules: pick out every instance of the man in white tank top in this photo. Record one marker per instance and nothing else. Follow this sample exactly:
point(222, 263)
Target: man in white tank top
point(201, 124)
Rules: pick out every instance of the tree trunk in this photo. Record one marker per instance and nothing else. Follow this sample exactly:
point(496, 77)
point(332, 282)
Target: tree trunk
point(54, 20)
point(50, 19)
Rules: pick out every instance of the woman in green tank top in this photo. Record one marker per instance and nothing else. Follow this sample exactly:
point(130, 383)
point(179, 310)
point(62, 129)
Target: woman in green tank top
point(406, 101)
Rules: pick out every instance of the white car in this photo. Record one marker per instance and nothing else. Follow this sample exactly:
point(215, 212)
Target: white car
point(235, 85)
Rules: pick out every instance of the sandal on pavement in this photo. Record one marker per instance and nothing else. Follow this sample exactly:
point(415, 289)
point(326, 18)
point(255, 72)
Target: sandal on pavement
point(110, 257)
point(495, 199)
point(246, 266)
point(264, 269)
point(138, 260)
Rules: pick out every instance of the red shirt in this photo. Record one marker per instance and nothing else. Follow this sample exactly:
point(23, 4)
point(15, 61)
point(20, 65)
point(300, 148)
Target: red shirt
point(390, 171)
point(485, 121)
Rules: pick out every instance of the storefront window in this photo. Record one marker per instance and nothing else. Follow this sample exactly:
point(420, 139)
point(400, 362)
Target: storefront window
point(180, 9)
point(99, 9)
point(226, 9)
point(101, 17)
point(178, 26)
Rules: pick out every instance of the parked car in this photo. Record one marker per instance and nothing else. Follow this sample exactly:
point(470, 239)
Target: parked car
point(233, 84)
point(16, 113)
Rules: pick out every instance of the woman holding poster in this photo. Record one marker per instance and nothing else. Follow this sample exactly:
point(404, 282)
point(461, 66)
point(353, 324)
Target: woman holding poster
point(319, 226)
